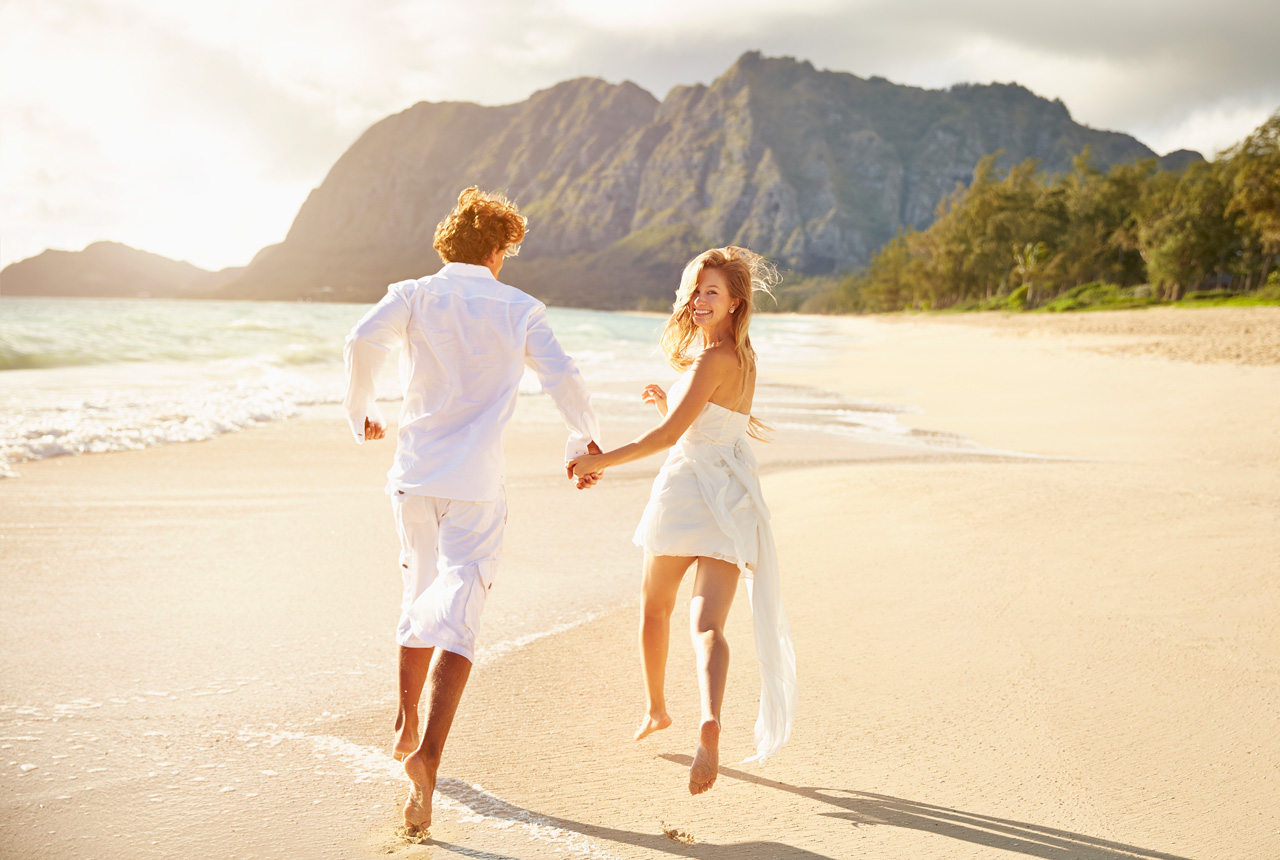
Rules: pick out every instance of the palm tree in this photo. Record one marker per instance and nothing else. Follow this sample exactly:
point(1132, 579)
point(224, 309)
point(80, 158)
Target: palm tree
point(1027, 265)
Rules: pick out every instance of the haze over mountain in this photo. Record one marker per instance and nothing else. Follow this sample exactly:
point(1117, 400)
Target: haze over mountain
point(815, 169)
point(110, 269)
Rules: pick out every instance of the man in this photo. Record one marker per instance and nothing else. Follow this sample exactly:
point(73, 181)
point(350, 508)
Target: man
point(466, 339)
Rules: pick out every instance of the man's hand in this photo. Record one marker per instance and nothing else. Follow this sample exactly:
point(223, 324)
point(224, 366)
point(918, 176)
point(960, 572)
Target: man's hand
point(373, 430)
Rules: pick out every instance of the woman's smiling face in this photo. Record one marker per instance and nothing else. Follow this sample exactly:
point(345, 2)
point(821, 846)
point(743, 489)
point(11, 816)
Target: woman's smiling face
point(710, 300)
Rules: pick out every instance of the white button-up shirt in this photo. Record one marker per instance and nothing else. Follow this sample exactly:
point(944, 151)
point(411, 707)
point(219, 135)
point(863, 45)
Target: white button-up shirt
point(467, 338)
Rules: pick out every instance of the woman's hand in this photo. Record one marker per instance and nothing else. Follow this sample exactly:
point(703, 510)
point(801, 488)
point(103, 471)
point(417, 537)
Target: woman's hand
point(655, 395)
point(585, 480)
point(588, 465)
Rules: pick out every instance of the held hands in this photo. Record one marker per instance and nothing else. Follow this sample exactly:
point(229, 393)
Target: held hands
point(655, 395)
point(585, 468)
point(373, 431)
point(585, 477)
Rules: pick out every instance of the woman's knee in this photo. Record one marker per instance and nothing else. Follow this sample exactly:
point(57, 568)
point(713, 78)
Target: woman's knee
point(656, 608)
point(658, 597)
point(708, 636)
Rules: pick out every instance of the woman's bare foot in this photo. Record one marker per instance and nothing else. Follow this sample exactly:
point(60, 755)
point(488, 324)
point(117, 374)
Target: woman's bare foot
point(422, 778)
point(706, 761)
point(652, 723)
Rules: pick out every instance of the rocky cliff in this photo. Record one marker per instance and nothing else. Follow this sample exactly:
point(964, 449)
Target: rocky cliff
point(816, 169)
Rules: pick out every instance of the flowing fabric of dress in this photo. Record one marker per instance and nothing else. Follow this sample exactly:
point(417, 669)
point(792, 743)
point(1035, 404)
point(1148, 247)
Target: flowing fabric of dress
point(706, 501)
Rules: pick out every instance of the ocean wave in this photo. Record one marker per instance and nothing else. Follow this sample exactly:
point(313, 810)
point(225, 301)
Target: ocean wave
point(106, 416)
point(37, 334)
point(295, 354)
point(16, 359)
point(308, 353)
point(253, 325)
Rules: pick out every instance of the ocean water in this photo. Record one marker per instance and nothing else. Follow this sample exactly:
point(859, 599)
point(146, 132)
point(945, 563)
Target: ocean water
point(82, 376)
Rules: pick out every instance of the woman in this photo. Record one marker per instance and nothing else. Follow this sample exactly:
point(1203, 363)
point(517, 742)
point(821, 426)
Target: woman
point(706, 509)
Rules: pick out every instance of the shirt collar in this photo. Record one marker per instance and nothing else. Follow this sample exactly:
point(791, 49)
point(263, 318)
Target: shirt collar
point(469, 270)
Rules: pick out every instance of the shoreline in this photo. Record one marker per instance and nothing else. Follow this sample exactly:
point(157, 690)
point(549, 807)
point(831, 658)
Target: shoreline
point(1212, 335)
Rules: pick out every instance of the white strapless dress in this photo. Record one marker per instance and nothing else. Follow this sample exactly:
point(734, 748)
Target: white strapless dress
point(706, 501)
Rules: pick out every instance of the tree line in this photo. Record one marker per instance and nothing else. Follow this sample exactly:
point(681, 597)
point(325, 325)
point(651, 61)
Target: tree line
point(1133, 234)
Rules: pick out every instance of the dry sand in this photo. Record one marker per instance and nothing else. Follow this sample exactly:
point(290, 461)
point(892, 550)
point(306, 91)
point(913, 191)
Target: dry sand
point(1205, 335)
point(1073, 654)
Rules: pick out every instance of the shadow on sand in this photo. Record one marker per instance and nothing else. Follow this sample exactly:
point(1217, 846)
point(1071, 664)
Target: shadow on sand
point(861, 808)
point(491, 807)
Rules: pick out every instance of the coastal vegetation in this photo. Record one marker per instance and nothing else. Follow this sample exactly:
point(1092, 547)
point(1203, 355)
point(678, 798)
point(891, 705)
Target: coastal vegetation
point(1128, 236)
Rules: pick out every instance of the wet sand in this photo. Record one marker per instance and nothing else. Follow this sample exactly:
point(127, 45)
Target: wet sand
point(1073, 654)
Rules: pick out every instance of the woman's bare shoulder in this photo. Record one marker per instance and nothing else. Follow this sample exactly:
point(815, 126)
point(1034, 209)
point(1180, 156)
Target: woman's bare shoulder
point(720, 359)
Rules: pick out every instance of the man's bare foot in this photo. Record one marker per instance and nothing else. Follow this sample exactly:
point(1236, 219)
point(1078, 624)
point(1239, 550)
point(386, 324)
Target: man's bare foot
point(652, 723)
point(706, 761)
point(406, 742)
point(422, 778)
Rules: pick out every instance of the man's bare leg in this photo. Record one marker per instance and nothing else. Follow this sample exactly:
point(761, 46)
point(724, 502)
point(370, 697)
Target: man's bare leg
point(713, 590)
point(414, 663)
point(445, 683)
point(662, 575)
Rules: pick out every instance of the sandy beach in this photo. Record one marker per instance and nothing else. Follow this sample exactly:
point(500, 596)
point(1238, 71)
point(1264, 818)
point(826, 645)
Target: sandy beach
point(1060, 643)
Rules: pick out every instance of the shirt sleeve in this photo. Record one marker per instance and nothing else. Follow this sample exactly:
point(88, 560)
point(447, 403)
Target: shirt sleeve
point(379, 331)
point(561, 379)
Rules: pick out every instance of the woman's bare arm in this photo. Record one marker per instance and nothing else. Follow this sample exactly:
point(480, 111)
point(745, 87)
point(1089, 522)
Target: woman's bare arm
point(711, 370)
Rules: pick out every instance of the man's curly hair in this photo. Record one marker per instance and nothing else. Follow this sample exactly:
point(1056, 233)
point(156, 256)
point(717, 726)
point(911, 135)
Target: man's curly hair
point(480, 224)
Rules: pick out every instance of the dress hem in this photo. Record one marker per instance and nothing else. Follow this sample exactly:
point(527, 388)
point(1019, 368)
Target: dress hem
point(746, 569)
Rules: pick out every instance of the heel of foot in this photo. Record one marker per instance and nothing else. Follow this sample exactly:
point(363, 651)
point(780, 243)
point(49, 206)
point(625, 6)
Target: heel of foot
point(422, 781)
point(709, 732)
point(405, 744)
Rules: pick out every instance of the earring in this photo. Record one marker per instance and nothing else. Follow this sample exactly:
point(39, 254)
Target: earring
point(731, 310)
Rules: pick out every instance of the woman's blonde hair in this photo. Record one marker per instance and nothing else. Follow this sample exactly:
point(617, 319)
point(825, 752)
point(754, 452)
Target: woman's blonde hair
point(480, 224)
point(747, 274)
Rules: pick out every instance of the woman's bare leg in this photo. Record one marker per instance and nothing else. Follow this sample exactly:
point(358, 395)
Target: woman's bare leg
point(662, 575)
point(713, 590)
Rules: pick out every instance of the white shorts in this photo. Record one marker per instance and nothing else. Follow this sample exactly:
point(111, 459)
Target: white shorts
point(448, 557)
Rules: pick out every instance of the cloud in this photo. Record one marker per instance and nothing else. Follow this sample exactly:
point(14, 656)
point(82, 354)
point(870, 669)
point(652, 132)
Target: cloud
point(1139, 67)
point(196, 130)
point(129, 130)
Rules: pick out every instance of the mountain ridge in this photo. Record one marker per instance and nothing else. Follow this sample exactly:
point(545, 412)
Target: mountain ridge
point(110, 270)
point(815, 169)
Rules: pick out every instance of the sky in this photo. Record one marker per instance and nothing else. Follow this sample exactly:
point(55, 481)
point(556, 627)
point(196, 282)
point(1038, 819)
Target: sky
point(196, 130)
